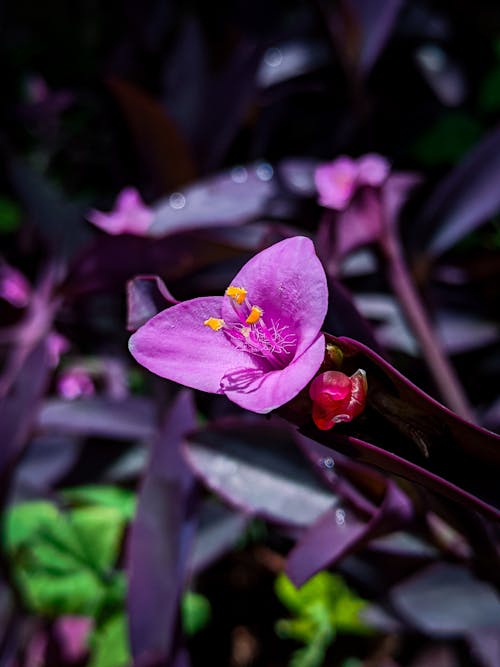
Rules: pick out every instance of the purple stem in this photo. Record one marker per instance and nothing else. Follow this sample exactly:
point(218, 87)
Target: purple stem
point(442, 371)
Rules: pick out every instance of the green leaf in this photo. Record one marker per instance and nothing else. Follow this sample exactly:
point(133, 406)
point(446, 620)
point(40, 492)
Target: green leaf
point(196, 612)
point(109, 644)
point(63, 561)
point(489, 92)
point(448, 139)
point(325, 598)
point(115, 497)
point(10, 216)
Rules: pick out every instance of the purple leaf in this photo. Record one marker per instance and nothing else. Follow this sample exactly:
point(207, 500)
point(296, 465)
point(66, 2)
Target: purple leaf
point(329, 539)
point(108, 263)
point(219, 529)
point(59, 220)
point(339, 531)
point(159, 541)
point(446, 600)
point(18, 409)
point(46, 460)
point(297, 176)
point(376, 21)
point(146, 296)
point(254, 467)
point(406, 432)
point(128, 419)
point(228, 198)
point(485, 646)
point(288, 60)
point(464, 199)
point(344, 317)
point(221, 115)
point(365, 30)
point(159, 142)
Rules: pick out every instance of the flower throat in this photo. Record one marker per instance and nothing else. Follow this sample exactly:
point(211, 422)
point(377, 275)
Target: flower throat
point(251, 333)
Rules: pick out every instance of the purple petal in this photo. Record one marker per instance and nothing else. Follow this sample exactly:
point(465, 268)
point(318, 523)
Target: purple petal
point(288, 282)
point(177, 345)
point(336, 182)
point(270, 390)
point(373, 169)
point(129, 216)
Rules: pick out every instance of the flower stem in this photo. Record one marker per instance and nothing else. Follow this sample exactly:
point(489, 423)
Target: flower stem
point(442, 371)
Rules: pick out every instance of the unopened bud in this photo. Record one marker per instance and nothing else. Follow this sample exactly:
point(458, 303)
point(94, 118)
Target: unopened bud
point(337, 397)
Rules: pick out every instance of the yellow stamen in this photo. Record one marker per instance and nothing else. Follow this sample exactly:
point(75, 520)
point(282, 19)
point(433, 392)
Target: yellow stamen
point(239, 294)
point(215, 323)
point(255, 315)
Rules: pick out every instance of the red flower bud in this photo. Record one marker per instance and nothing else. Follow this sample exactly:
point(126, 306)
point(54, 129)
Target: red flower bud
point(337, 397)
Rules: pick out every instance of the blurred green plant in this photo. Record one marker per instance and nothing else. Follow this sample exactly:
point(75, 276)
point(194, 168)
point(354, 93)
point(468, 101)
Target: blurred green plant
point(10, 216)
point(445, 142)
point(489, 91)
point(323, 607)
point(64, 561)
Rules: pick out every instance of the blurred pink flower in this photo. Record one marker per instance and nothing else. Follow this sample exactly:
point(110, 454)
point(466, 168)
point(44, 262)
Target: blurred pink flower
point(57, 345)
point(130, 215)
point(73, 635)
point(75, 383)
point(338, 181)
point(14, 288)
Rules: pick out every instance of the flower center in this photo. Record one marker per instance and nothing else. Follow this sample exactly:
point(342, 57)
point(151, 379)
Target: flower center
point(251, 333)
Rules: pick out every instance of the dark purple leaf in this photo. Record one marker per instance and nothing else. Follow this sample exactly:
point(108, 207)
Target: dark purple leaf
point(437, 656)
point(289, 60)
point(146, 296)
point(229, 198)
point(128, 419)
point(329, 539)
point(185, 75)
point(443, 75)
point(111, 261)
point(46, 460)
point(376, 21)
point(485, 646)
point(255, 467)
point(160, 540)
point(339, 531)
point(19, 408)
point(458, 332)
point(465, 199)
point(361, 29)
point(218, 531)
point(222, 114)
point(297, 176)
point(406, 432)
point(446, 600)
point(60, 221)
point(159, 142)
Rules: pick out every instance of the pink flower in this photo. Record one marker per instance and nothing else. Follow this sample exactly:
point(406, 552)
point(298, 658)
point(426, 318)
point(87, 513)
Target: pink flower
point(337, 398)
point(75, 383)
point(14, 287)
point(130, 215)
point(260, 344)
point(338, 181)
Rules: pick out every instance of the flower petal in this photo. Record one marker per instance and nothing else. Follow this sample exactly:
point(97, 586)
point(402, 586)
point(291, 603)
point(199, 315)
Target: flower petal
point(176, 345)
point(335, 182)
point(268, 391)
point(288, 282)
